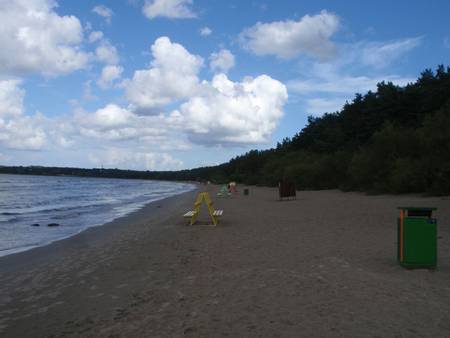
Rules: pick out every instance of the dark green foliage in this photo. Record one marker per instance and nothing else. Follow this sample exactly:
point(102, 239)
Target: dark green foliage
point(389, 162)
point(394, 140)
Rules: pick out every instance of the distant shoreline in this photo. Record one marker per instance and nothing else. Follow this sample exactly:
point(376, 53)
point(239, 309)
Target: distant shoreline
point(81, 172)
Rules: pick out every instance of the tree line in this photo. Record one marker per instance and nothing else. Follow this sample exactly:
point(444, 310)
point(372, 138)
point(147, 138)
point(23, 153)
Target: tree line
point(392, 140)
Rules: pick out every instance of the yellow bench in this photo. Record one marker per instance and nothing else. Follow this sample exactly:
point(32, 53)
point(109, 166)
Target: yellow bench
point(214, 214)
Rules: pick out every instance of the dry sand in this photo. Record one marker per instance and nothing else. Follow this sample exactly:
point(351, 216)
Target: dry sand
point(322, 265)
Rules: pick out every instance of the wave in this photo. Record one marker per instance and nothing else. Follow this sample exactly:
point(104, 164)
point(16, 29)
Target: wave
point(75, 203)
point(38, 211)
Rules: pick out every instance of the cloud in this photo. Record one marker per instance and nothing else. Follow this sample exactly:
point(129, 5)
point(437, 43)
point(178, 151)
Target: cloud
point(319, 106)
point(325, 86)
point(109, 123)
point(288, 39)
point(118, 157)
point(171, 76)
point(35, 39)
point(87, 91)
point(221, 61)
point(176, 9)
point(205, 31)
point(107, 53)
point(4, 158)
point(104, 12)
point(23, 133)
point(115, 123)
point(95, 36)
point(11, 98)
point(18, 131)
point(222, 112)
point(111, 116)
point(229, 112)
point(217, 112)
point(381, 54)
point(183, 110)
point(110, 73)
point(64, 141)
point(344, 84)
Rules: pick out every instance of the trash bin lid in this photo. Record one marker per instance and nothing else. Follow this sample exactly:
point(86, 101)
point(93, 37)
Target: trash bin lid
point(417, 208)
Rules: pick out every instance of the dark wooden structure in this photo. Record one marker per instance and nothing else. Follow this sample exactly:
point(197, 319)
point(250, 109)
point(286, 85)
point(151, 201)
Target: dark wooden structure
point(286, 189)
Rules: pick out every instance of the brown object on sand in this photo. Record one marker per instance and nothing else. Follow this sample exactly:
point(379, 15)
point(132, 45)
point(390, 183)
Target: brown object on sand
point(286, 189)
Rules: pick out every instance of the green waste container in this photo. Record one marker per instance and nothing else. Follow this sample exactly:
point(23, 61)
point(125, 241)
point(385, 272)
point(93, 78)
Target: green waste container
point(417, 238)
point(246, 192)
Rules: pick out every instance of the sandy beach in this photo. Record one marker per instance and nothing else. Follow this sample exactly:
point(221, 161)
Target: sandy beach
point(323, 265)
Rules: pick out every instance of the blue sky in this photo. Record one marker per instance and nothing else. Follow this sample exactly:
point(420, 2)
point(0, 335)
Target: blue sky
point(171, 84)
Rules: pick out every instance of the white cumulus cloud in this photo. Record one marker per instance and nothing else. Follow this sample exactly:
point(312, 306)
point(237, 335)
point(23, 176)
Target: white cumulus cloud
point(110, 73)
point(18, 131)
point(172, 75)
point(24, 133)
point(115, 123)
point(205, 31)
point(287, 39)
point(107, 53)
point(35, 39)
point(11, 98)
point(168, 8)
point(109, 116)
point(221, 61)
point(104, 12)
point(95, 36)
point(230, 112)
point(217, 112)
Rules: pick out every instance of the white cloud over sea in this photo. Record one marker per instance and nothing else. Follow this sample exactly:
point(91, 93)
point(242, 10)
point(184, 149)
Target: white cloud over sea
point(35, 39)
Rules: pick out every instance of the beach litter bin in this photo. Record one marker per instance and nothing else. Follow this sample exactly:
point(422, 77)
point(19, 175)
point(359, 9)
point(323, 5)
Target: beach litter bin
point(417, 238)
point(246, 192)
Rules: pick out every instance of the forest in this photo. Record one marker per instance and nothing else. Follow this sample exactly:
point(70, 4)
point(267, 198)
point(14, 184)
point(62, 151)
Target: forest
point(392, 140)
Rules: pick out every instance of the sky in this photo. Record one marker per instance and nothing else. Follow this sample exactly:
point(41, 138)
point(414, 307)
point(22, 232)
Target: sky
point(174, 84)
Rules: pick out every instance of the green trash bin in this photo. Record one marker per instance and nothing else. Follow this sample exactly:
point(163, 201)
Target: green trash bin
point(246, 192)
point(417, 238)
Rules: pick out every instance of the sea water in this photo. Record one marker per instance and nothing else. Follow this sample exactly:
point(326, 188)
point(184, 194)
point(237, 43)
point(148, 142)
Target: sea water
point(74, 203)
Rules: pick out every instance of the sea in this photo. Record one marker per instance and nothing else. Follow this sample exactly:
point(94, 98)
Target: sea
point(28, 204)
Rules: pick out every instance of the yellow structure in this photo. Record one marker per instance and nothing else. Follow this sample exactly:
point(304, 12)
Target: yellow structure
point(203, 196)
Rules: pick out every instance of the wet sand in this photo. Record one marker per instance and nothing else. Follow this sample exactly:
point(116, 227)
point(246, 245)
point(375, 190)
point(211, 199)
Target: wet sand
point(323, 265)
